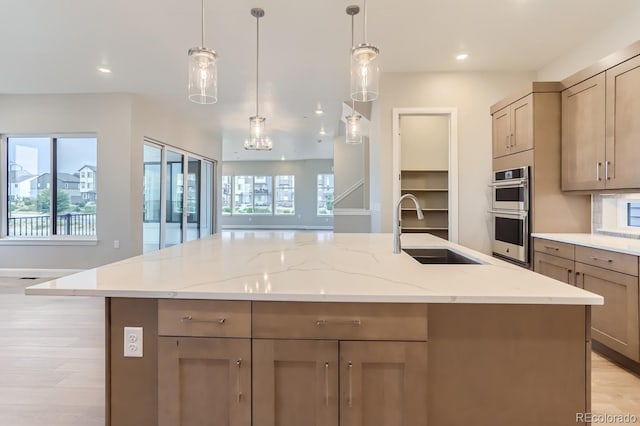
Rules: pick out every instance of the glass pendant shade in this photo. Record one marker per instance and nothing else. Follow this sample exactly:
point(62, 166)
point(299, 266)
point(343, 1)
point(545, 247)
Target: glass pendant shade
point(203, 76)
point(256, 127)
point(262, 144)
point(354, 131)
point(364, 72)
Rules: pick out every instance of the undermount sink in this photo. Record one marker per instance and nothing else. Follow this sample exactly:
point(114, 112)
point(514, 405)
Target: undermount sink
point(439, 256)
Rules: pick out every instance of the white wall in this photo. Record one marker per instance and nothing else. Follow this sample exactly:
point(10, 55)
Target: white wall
point(472, 94)
point(120, 122)
point(305, 172)
point(619, 35)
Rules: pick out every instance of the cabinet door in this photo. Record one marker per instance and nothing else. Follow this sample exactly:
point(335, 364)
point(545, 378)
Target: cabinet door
point(501, 129)
point(204, 381)
point(297, 382)
point(615, 323)
point(623, 126)
point(583, 135)
point(383, 383)
point(522, 125)
point(554, 267)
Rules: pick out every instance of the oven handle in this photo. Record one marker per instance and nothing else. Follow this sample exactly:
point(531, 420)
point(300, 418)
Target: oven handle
point(523, 182)
point(509, 213)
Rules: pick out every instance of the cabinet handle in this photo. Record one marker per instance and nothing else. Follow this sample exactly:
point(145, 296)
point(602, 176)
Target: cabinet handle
point(568, 276)
point(598, 171)
point(606, 170)
point(326, 384)
point(189, 318)
point(601, 260)
point(350, 400)
point(511, 140)
point(323, 322)
point(508, 143)
point(552, 248)
point(238, 390)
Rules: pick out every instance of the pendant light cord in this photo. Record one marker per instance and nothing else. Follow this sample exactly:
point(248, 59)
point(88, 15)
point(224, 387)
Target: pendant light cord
point(202, 45)
point(364, 29)
point(353, 102)
point(257, 58)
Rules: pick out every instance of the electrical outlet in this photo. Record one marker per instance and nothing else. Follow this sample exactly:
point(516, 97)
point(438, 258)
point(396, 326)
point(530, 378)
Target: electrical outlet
point(133, 342)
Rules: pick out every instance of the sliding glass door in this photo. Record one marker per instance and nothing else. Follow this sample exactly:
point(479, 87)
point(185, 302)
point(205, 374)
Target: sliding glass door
point(186, 210)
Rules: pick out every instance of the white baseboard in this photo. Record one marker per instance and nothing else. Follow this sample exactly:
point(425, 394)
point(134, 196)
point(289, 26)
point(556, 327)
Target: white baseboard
point(38, 273)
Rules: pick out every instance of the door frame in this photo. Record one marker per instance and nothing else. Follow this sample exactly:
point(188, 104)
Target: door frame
point(452, 113)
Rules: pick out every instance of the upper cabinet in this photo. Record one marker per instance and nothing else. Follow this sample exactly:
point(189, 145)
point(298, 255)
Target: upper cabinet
point(623, 127)
point(583, 134)
point(513, 127)
point(600, 129)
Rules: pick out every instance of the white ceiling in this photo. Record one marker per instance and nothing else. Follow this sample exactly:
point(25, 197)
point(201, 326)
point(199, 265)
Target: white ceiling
point(54, 47)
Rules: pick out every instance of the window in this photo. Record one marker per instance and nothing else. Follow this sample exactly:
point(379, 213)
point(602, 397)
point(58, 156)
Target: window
point(325, 195)
point(633, 214)
point(33, 176)
point(285, 195)
point(243, 195)
point(226, 195)
point(262, 195)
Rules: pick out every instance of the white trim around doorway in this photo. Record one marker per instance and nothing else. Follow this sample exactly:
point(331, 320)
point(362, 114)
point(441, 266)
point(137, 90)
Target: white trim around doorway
point(453, 158)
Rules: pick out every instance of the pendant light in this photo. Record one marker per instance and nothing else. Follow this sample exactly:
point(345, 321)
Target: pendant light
point(364, 68)
point(257, 137)
point(354, 135)
point(203, 72)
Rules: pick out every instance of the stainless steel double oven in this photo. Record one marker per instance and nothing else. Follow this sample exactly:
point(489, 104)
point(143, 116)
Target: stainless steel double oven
point(510, 215)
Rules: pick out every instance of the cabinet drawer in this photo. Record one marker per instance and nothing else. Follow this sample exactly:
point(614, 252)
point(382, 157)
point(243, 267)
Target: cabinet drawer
point(204, 318)
point(340, 321)
point(554, 248)
point(620, 262)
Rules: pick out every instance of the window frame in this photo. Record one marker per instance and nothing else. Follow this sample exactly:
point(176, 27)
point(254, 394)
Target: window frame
point(53, 238)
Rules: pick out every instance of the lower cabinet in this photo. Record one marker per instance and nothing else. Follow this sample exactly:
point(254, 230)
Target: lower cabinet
point(555, 267)
point(318, 383)
point(204, 381)
point(614, 324)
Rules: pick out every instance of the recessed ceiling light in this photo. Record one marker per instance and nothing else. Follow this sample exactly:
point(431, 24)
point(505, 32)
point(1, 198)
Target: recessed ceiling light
point(103, 69)
point(462, 56)
point(319, 110)
point(282, 158)
point(322, 132)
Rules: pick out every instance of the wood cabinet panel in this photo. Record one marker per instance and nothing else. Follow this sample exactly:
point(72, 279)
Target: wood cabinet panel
point(204, 318)
point(615, 323)
point(297, 381)
point(623, 126)
point(555, 267)
point(620, 262)
point(554, 248)
point(383, 383)
point(501, 132)
point(339, 321)
point(521, 125)
point(204, 381)
point(583, 135)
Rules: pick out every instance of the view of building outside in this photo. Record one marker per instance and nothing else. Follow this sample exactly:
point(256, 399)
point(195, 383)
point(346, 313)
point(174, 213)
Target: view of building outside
point(285, 195)
point(325, 195)
point(226, 195)
point(31, 181)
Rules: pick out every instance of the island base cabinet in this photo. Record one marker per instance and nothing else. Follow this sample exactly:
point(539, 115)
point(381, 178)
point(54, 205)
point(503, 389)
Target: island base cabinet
point(383, 383)
point(204, 381)
point(614, 324)
point(296, 382)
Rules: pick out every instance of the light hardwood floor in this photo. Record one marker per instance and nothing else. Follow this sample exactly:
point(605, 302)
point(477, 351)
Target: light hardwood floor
point(52, 362)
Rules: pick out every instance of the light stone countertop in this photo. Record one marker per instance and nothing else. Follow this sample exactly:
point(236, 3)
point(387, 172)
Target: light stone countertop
point(306, 266)
point(604, 242)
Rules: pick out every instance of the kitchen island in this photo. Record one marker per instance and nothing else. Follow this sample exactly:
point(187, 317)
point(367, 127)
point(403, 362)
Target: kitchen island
point(286, 328)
